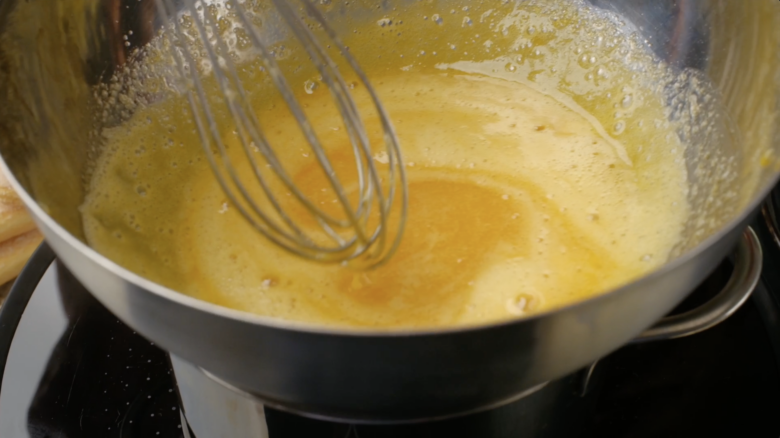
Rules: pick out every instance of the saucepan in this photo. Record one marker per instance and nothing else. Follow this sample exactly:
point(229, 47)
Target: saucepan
point(54, 54)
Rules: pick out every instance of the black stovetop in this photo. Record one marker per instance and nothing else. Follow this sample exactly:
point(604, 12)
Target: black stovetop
point(74, 370)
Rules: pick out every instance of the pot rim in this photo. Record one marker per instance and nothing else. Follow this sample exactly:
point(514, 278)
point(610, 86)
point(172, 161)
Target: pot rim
point(323, 329)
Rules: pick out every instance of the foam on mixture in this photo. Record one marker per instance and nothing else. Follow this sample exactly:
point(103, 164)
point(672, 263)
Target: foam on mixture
point(522, 197)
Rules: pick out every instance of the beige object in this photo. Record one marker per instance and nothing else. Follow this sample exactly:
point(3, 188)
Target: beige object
point(15, 252)
point(14, 219)
point(18, 235)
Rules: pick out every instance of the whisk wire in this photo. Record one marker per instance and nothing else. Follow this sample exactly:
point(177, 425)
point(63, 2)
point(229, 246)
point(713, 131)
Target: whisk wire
point(283, 231)
point(395, 161)
point(266, 221)
point(345, 104)
point(324, 220)
point(213, 130)
point(282, 85)
point(249, 123)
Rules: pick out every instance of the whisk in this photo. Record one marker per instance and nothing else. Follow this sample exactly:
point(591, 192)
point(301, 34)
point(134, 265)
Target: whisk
point(366, 232)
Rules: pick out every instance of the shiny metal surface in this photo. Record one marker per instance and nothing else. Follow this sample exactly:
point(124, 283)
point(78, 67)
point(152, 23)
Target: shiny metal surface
point(212, 410)
point(744, 278)
point(51, 57)
point(748, 263)
point(367, 420)
point(747, 273)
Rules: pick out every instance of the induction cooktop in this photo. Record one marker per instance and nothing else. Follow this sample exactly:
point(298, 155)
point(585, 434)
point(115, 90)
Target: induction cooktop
point(72, 369)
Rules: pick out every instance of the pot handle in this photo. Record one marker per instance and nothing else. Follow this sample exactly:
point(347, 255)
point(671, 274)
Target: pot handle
point(747, 271)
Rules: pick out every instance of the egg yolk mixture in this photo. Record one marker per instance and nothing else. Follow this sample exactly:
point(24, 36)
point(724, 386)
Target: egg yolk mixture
point(519, 202)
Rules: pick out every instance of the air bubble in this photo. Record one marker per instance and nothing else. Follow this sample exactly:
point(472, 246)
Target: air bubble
point(268, 283)
point(437, 19)
point(382, 157)
point(620, 127)
point(309, 86)
point(510, 67)
point(521, 304)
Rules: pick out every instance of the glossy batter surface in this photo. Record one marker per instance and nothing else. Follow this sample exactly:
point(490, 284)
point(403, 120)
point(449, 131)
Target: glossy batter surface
point(520, 199)
point(517, 205)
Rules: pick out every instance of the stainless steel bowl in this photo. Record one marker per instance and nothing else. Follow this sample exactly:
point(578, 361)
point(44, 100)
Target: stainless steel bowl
point(52, 56)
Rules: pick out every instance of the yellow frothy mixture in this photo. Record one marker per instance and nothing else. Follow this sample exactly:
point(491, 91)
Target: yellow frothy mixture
point(541, 171)
point(517, 205)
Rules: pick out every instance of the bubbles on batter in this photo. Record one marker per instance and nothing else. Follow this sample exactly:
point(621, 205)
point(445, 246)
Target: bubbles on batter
point(309, 86)
point(269, 282)
point(523, 41)
point(627, 101)
point(620, 127)
point(522, 304)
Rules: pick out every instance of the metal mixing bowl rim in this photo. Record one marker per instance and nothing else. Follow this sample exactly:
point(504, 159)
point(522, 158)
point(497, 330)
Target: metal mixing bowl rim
point(279, 323)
